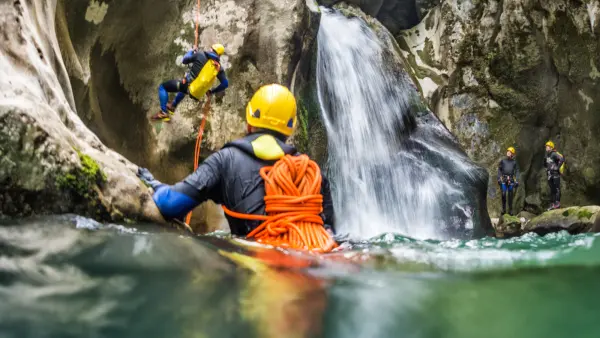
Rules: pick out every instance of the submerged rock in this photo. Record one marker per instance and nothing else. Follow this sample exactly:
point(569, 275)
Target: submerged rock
point(575, 220)
point(50, 162)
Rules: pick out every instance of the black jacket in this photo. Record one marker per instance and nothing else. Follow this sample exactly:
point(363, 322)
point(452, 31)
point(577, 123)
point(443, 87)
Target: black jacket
point(231, 177)
point(508, 167)
point(552, 162)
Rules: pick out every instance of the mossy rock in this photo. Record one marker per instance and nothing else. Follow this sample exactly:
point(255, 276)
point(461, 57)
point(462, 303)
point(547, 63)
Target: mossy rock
point(83, 184)
point(574, 220)
point(508, 226)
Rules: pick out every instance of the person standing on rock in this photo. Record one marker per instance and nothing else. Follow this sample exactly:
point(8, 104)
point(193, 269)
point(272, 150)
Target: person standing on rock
point(554, 165)
point(204, 66)
point(508, 174)
point(231, 176)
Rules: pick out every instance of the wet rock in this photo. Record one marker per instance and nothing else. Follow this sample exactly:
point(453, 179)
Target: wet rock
point(469, 216)
point(575, 220)
point(117, 53)
point(509, 226)
point(395, 15)
point(529, 69)
point(526, 215)
point(50, 162)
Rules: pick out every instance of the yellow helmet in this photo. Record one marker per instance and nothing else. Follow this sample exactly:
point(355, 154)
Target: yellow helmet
point(512, 150)
point(218, 48)
point(272, 107)
point(550, 144)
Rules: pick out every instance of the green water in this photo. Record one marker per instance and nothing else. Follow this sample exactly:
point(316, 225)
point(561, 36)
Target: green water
point(70, 277)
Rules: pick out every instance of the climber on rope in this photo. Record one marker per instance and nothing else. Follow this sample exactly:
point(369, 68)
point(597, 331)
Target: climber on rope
point(508, 174)
point(554, 163)
point(231, 175)
point(204, 66)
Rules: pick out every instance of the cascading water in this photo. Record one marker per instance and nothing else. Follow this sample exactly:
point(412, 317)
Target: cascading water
point(392, 169)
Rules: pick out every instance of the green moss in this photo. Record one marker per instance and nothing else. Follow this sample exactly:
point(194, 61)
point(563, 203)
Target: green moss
point(584, 213)
point(422, 73)
point(307, 115)
point(427, 55)
point(511, 221)
point(82, 181)
point(90, 169)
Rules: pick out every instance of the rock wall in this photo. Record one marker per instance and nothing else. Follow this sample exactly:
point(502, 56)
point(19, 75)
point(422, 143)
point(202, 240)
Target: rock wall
point(116, 60)
point(443, 150)
point(50, 162)
point(396, 15)
point(516, 72)
point(118, 52)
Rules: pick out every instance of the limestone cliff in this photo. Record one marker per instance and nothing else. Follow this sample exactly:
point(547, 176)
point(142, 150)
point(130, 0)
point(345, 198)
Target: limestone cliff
point(516, 72)
point(118, 52)
point(50, 162)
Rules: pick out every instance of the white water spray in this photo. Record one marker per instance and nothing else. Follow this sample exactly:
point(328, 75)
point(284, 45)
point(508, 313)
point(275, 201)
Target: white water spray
point(592, 9)
point(383, 176)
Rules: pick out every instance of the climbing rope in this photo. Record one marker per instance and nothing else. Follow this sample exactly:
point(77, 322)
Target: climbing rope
point(293, 197)
point(205, 111)
point(197, 24)
point(293, 205)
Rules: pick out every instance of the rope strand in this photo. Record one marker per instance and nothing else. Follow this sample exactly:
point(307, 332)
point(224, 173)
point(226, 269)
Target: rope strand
point(197, 24)
point(205, 112)
point(293, 203)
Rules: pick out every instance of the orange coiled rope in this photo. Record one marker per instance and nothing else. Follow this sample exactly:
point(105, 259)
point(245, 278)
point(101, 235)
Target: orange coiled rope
point(293, 205)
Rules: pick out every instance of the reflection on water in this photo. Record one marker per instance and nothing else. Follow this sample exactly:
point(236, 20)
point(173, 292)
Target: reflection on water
point(70, 277)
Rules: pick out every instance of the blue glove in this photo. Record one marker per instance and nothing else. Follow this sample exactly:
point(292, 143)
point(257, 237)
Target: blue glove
point(146, 176)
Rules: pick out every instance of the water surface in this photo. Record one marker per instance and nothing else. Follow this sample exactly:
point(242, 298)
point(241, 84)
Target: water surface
point(66, 276)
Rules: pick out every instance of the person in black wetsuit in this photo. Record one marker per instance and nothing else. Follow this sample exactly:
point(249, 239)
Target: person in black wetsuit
point(508, 174)
point(231, 175)
point(553, 162)
point(196, 60)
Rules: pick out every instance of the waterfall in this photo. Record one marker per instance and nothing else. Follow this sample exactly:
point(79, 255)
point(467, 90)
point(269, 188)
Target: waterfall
point(592, 9)
point(391, 171)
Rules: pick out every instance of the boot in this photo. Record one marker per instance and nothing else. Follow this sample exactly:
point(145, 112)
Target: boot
point(161, 116)
point(171, 108)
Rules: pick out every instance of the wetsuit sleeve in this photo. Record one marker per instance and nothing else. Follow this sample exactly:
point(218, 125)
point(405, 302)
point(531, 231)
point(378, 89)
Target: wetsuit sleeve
point(328, 212)
point(177, 200)
point(188, 57)
point(224, 83)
